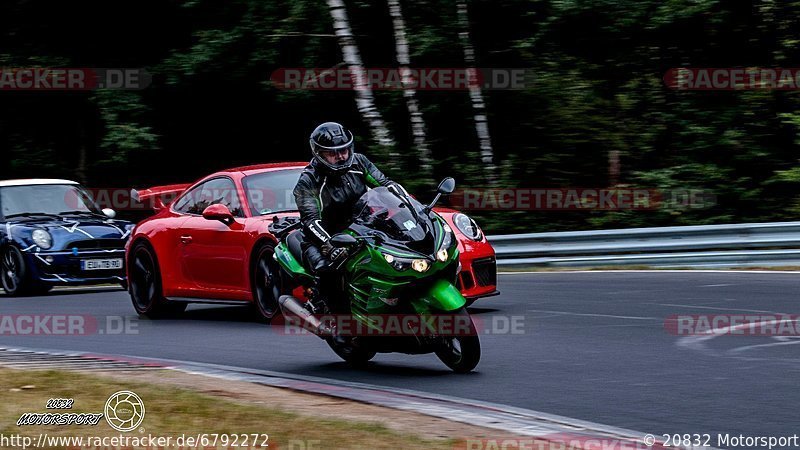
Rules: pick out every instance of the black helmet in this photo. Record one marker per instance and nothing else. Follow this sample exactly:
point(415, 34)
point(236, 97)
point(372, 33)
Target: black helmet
point(332, 139)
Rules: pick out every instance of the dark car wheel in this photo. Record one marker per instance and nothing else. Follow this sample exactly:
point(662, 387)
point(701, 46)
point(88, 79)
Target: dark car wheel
point(266, 284)
point(145, 285)
point(15, 277)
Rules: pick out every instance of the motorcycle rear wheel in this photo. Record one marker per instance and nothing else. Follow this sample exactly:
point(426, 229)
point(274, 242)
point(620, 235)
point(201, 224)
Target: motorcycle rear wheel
point(353, 355)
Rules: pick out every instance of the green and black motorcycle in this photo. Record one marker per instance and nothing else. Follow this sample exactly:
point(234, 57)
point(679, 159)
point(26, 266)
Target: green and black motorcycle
point(402, 263)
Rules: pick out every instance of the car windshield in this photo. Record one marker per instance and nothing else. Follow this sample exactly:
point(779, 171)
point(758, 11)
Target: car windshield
point(53, 199)
point(271, 192)
point(381, 210)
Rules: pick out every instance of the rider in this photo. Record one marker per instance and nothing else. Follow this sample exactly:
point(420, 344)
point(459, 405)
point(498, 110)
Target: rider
point(325, 195)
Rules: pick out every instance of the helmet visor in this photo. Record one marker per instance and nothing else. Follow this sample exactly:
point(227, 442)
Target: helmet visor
point(336, 157)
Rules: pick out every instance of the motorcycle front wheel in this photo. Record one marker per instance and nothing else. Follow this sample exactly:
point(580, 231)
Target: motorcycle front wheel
point(461, 352)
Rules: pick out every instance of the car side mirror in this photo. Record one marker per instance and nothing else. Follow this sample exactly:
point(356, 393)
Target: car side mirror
point(447, 186)
point(219, 212)
point(343, 240)
point(110, 213)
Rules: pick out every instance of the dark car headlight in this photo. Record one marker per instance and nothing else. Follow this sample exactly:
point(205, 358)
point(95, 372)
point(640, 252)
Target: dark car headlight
point(42, 238)
point(442, 253)
point(467, 227)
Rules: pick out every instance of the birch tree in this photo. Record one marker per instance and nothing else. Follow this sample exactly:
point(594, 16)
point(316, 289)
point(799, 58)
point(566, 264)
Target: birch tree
point(410, 95)
point(365, 101)
point(476, 96)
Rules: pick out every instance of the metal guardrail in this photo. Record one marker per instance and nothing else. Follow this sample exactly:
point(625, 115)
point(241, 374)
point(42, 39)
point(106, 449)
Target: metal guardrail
point(751, 244)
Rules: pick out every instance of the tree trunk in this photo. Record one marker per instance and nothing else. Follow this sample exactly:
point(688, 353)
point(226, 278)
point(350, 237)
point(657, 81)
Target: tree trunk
point(613, 167)
point(476, 95)
point(81, 170)
point(365, 102)
point(404, 60)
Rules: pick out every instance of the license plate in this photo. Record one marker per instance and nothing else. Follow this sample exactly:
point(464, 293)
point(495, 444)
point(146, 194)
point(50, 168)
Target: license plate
point(101, 264)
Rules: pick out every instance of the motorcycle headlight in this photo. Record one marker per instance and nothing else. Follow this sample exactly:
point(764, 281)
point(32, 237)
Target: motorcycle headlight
point(420, 265)
point(42, 238)
point(398, 263)
point(468, 227)
point(442, 255)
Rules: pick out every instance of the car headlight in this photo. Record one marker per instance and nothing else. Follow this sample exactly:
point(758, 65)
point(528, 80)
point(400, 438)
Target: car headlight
point(468, 227)
point(42, 238)
point(447, 239)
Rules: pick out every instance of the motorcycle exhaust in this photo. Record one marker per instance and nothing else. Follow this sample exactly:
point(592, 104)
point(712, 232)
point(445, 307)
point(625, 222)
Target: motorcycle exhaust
point(290, 305)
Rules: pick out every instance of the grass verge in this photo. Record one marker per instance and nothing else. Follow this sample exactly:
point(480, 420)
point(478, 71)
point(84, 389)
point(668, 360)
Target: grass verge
point(172, 411)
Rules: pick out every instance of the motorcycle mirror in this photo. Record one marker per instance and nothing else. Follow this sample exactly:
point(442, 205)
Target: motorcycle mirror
point(343, 240)
point(447, 186)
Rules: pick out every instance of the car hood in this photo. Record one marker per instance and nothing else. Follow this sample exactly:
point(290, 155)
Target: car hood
point(67, 230)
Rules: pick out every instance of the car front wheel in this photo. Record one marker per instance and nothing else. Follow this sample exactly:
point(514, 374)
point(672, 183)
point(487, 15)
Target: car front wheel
point(15, 277)
point(145, 285)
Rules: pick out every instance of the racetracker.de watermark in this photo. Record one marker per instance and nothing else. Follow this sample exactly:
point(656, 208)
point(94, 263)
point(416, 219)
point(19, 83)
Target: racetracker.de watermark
point(733, 324)
point(412, 325)
point(572, 199)
point(420, 79)
point(557, 442)
point(65, 325)
point(72, 79)
point(732, 78)
point(122, 199)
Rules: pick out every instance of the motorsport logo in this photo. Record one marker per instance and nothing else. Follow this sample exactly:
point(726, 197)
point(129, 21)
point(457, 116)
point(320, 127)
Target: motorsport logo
point(124, 411)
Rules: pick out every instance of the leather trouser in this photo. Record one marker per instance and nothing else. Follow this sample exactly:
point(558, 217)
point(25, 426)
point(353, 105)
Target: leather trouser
point(329, 281)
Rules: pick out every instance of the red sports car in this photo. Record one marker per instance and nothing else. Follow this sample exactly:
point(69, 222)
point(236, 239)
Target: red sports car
point(211, 244)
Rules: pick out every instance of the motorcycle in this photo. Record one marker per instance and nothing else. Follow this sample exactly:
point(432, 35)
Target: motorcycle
point(402, 263)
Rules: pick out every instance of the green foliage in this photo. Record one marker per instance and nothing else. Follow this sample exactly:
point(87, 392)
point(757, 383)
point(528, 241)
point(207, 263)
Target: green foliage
point(597, 69)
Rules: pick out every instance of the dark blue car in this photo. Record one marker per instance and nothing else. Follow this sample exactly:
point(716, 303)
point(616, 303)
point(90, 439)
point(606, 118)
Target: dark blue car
point(52, 233)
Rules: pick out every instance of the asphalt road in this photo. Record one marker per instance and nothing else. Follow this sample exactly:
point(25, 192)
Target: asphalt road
point(592, 346)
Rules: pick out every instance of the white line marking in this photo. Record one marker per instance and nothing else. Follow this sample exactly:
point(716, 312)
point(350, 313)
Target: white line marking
point(697, 342)
point(85, 233)
point(74, 226)
point(715, 285)
point(42, 259)
point(719, 309)
point(730, 271)
point(782, 340)
point(123, 234)
point(594, 315)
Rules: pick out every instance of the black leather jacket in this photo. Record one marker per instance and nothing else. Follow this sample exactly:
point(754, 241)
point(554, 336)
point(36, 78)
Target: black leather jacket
point(326, 201)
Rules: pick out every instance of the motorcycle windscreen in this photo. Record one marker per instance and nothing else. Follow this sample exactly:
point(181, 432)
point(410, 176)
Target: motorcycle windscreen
point(381, 210)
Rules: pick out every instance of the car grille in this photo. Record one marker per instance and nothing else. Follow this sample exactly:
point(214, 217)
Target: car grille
point(97, 244)
point(485, 270)
point(466, 281)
